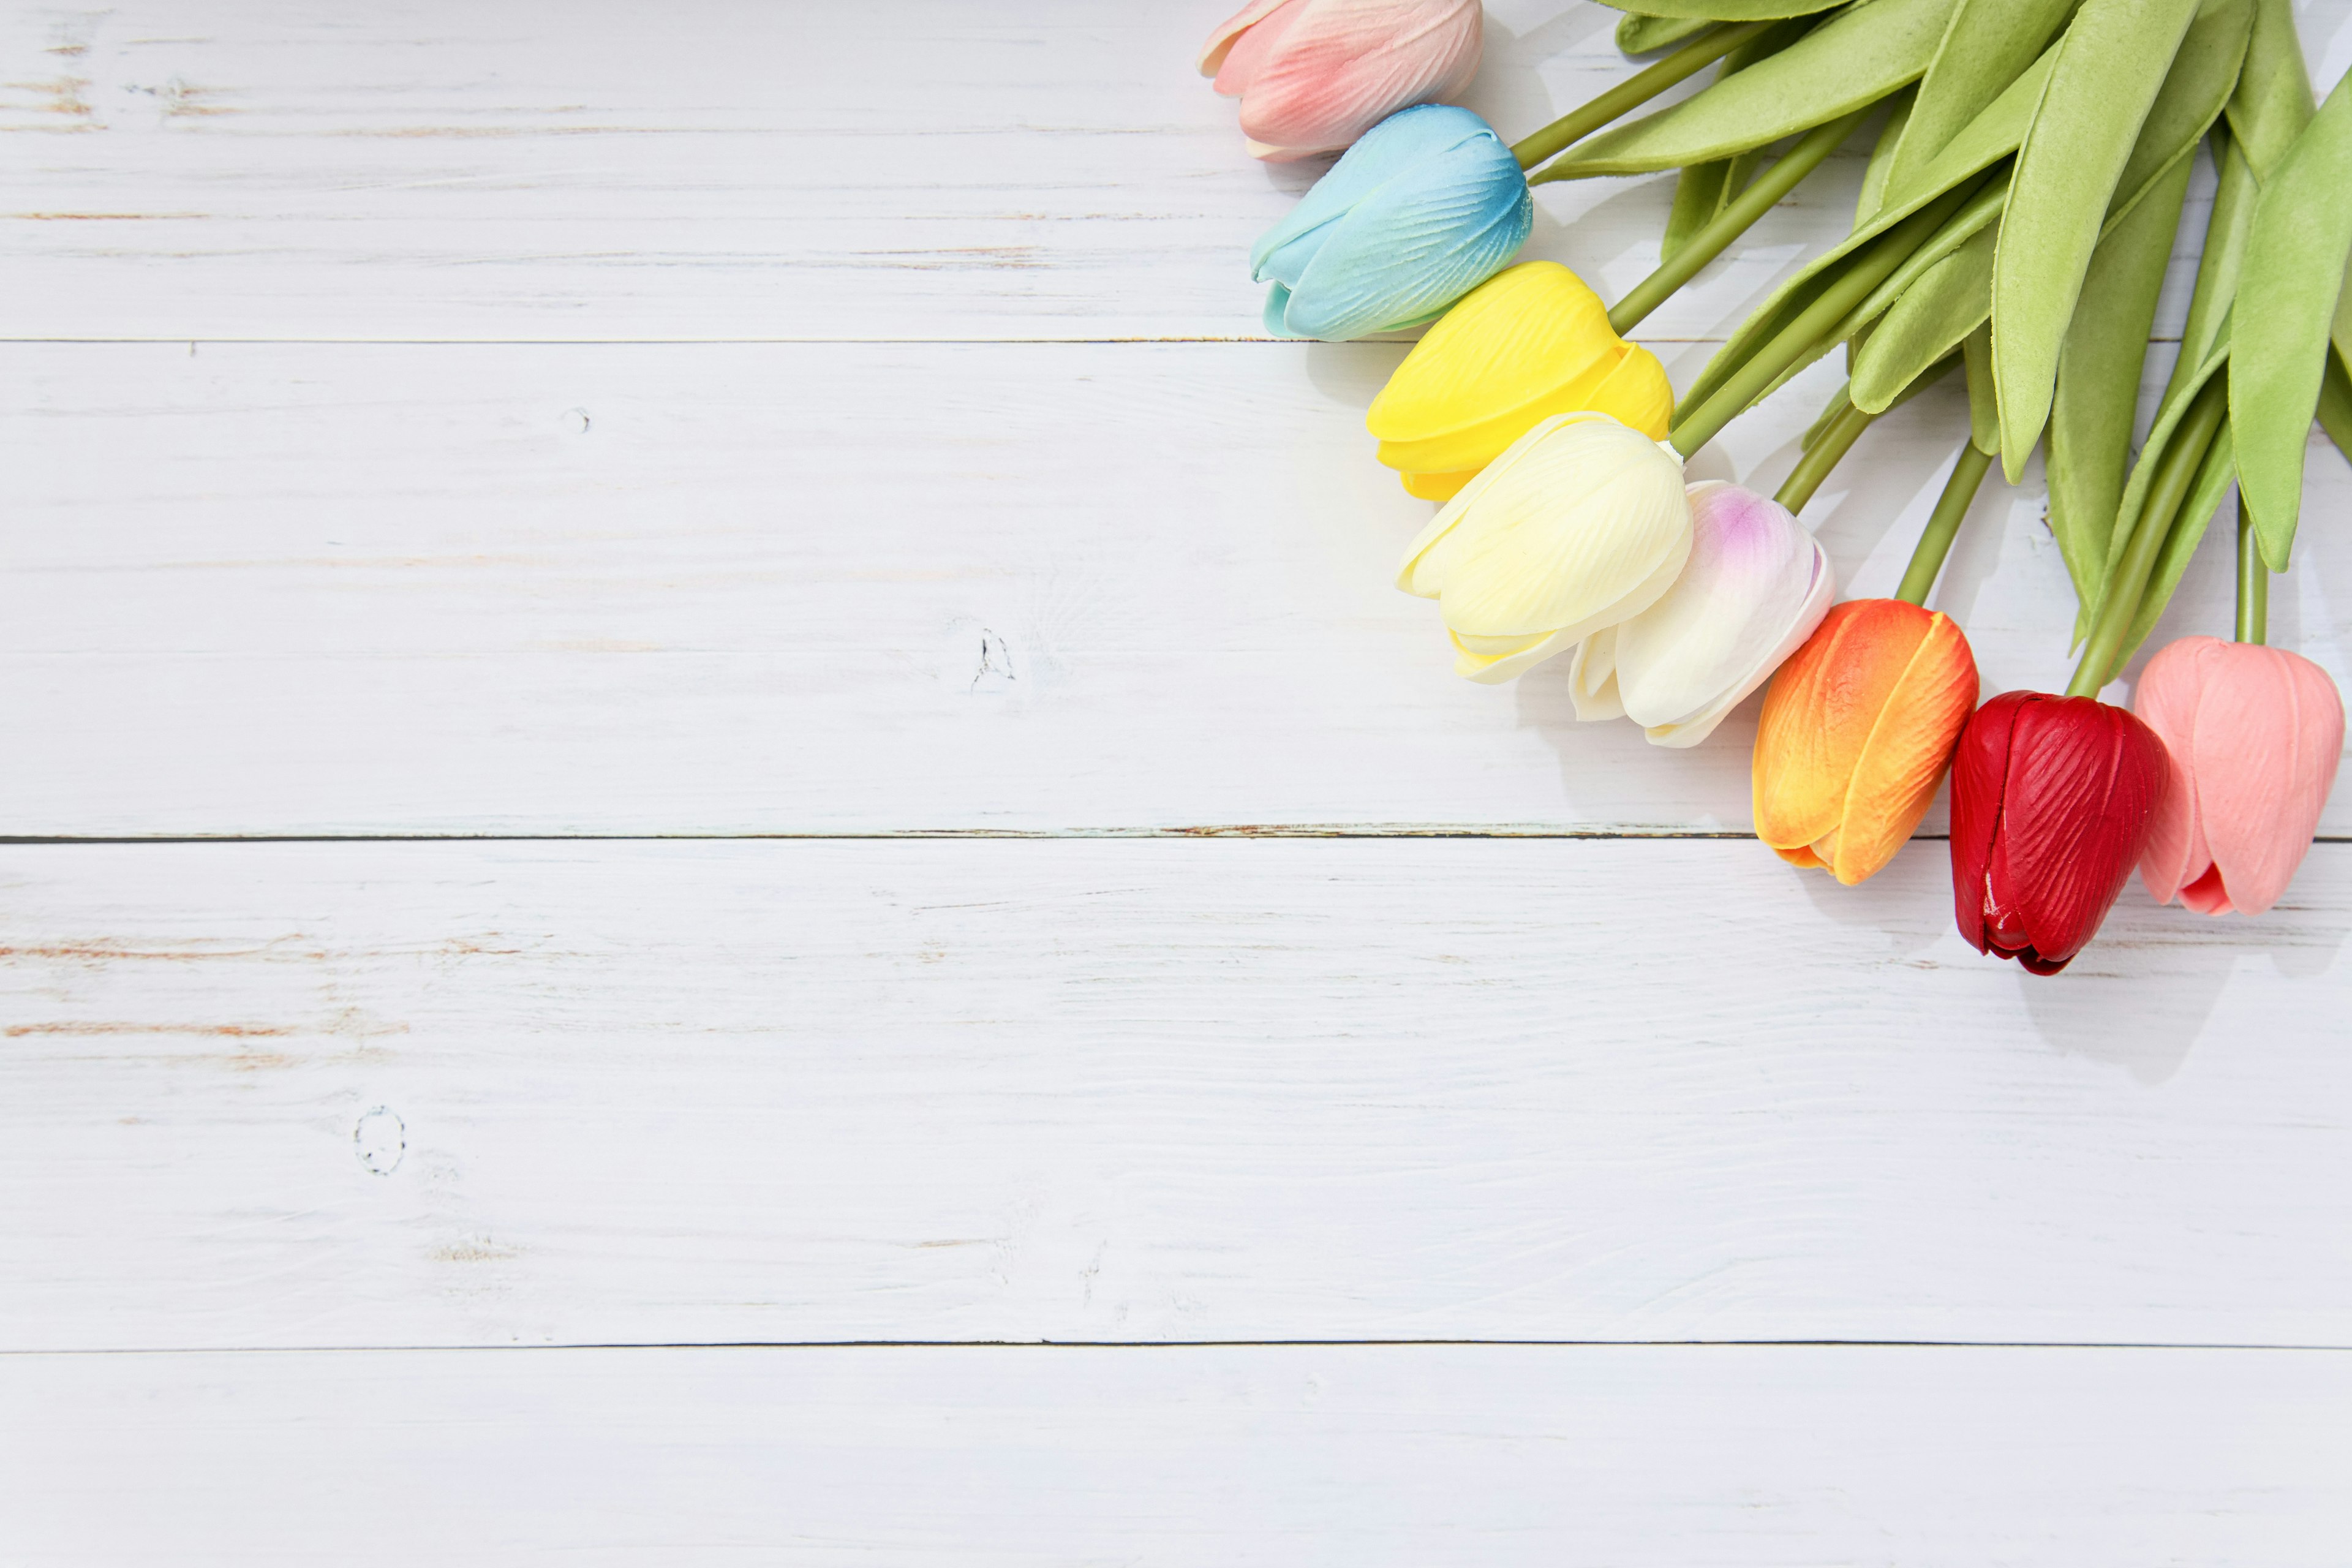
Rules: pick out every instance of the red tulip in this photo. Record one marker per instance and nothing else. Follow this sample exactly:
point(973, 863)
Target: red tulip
point(2054, 799)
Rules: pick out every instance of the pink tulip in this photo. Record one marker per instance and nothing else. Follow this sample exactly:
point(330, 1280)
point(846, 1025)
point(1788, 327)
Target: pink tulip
point(2255, 733)
point(1314, 75)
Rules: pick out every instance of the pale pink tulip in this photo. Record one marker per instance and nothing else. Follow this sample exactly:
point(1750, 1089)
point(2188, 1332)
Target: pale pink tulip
point(1314, 75)
point(2254, 734)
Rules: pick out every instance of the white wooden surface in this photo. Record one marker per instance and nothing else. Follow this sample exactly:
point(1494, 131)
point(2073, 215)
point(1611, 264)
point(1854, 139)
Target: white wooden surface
point(507, 422)
point(1342, 1455)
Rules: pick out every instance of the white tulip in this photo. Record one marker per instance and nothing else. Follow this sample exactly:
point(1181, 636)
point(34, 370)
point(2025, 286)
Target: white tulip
point(1754, 587)
point(1580, 524)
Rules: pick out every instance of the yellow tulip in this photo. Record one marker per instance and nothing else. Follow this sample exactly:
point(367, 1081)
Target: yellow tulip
point(1529, 342)
point(1580, 524)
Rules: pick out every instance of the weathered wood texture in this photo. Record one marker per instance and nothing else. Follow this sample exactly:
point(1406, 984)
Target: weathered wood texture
point(693, 419)
point(924, 169)
point(1145, 1090)
point(848, 588)
point(1568, 1458)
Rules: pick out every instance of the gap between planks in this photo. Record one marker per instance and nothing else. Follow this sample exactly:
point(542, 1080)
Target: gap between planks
point(571, 1346)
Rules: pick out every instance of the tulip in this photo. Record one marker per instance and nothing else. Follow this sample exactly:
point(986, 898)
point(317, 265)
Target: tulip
point(1580, 524)
point(1856, 734)
point(1423, 209)
point(1529, 342)
point(2053, 801)
point(2253, 734)
point(1314, 75)
point(1754, 588)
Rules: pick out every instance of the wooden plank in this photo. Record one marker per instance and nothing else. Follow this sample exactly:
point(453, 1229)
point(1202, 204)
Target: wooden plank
point(847, 588)
point(448, 1094)
point(898, 169)
point(1743, 1457)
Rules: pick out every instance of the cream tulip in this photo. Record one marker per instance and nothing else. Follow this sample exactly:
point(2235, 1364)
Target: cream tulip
point(1754, 587)
point(1580, 524)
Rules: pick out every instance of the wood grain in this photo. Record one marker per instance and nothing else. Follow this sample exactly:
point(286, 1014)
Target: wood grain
point(1145, 1090)
point(824, 588)
point(924, 169)
point(1679, 1457)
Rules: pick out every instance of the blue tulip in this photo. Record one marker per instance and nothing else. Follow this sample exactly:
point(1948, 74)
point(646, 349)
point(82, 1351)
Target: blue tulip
point(1426, 207)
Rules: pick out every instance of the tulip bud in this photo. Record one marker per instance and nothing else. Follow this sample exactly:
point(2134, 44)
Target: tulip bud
point(1314, 75)
point(1578, 525)
point(1529, 342)
point(2253, 735)
point(1856, 734)
point(1428, 205)
point(2053, 801)
point(1753, 590)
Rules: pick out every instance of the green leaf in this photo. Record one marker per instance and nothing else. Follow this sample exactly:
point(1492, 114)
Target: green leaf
point(2168, 415)
point(1984, 412)
point(2273, 101)
point(2188, 524)
point(2339, 331)
point(2111, 64)
point(1733, 10)
point(2335, 405)
point(2226, 227)
point(2196, 89)
point(1932, 318)
point(1643, 34)
point(1698, 193)
point(2098, 381)
point(1987, 45)
point(1992, 136)
point(1855, 58)
point(1882, 157)
point(1831, 413)
point(1703, 190)
point(2288, 285)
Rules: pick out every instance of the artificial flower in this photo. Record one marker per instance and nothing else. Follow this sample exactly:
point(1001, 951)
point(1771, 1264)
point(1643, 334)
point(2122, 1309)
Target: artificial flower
point(1580, 524)
point(1529, 342)
point(1314, 75)
point(1856, 734)
point(2053, 801)
point(1753, 590)
point(1428, 205)
point(2253, 734)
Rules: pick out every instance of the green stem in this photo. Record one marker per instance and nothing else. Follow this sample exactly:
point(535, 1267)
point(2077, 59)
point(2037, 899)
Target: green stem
point(2175, 473)
point(1944, 524)
point(1633, 92)
point(1836, 439)
point(1734, 220)
point(1809, 331)
point(2254, 584)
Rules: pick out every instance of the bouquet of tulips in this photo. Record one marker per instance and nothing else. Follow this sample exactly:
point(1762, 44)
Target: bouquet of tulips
point(2028, 166)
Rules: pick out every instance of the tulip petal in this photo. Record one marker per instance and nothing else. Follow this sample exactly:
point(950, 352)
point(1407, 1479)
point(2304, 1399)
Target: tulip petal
point(1979, 775)
point(1221, 42)
point(1242, 45)
point(2052, 798)
point(1493, 669)
point(1346, 64)
point(1387, 149)
point(1437, 487)
point(1414, 246)
point(1727, 622)
point(2270, 730)
point(1903, 759)
point(1592, 678)
point(1855, 732)
point(2166, 699)
point(1575, 521)
point(1516, 341)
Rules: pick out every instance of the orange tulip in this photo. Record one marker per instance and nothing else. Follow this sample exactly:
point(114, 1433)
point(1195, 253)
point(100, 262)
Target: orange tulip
point(1857, 729)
